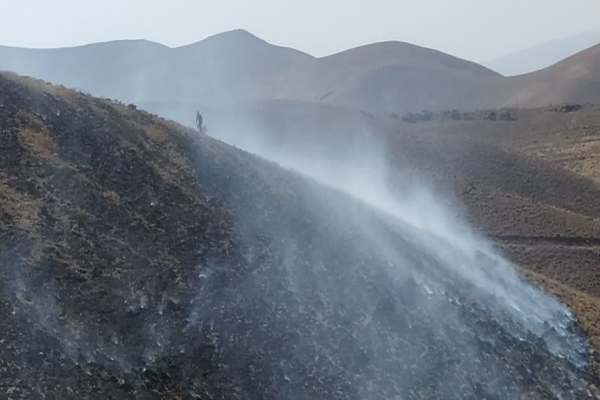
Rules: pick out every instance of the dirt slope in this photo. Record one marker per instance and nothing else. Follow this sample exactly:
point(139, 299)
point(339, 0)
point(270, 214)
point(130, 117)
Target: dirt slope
point(144, 260)
point(573, 80)
point(530, 182)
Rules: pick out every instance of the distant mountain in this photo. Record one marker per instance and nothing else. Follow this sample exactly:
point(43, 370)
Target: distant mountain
point(237, 67)
point(543, 55)
point(392, 76)
point(227, 67)
point(573, 80)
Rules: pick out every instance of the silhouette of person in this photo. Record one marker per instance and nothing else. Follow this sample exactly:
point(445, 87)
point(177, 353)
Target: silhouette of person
point(199, 121)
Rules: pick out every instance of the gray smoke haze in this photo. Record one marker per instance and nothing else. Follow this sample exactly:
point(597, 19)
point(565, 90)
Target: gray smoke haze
point(361, 169)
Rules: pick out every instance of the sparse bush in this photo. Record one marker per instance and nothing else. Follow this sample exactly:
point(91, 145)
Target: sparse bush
point(507, 116)
point(570, 108)
point(491, 116)
point(413, 118)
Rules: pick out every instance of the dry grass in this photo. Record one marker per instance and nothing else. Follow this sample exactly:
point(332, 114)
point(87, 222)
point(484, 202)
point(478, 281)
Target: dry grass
point(70, 96)
point(18, 207)
point(40, 143)
point(112, 197)
point(581, 157)
point(585, 307)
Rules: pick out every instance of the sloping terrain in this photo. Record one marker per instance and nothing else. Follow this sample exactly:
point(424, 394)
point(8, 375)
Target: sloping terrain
point(527, 181)
point(144, 260)
point(543, 55)
point(558, 241)
point(573, 80)
point(389, 76)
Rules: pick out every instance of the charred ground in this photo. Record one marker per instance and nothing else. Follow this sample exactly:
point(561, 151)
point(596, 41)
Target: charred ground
point(527, 179)
point(142, 260)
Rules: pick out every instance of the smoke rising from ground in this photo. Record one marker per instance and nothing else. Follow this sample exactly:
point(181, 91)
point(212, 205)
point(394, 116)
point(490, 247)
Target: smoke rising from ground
point(361, 170)
point(345, 279)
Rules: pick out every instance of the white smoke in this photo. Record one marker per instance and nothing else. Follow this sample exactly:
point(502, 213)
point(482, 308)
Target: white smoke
point(362, 170)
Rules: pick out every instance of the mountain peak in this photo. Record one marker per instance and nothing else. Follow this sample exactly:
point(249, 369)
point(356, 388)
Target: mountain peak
point(402, 53)
point(234, 36)
point(238, 33)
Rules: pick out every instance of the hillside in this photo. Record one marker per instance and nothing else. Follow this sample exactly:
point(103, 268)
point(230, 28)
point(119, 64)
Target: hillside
point(141, 259)
point(573, 80)
point(530, 182)
point(387, 76)
point(543, 55)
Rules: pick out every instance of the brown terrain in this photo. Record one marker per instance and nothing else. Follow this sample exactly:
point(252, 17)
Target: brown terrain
point(555, 238)
point(132, 245)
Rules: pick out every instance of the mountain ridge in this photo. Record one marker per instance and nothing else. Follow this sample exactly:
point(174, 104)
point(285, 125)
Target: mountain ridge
point(227, 67)
point(237, 66)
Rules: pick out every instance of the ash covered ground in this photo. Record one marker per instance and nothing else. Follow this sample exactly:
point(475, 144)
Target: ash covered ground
point(143, 260)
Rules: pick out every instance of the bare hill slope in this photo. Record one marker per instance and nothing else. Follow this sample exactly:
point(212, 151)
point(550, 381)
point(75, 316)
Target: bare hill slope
point(141, 259)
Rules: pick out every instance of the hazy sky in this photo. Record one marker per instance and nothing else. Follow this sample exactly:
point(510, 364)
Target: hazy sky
point(474, 29)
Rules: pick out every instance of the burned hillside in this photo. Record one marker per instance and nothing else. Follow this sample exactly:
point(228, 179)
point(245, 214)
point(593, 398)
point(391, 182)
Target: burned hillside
point(141, 259)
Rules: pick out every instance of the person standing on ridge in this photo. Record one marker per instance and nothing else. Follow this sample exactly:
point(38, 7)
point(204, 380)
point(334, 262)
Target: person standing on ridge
point(200, 123)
